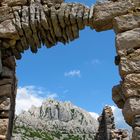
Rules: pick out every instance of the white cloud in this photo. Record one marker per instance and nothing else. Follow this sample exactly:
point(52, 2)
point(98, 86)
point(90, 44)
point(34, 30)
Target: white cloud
point(31, 95)
point(73, 73)
point(94, 115)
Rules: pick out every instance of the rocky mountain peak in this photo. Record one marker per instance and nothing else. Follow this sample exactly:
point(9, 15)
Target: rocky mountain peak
point(56, 116)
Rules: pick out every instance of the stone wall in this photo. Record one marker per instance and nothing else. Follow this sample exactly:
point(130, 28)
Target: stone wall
point(7, 94)
point(27, 24)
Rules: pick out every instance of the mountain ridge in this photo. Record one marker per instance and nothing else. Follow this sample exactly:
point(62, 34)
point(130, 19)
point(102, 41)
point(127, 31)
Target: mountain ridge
point(56, 120)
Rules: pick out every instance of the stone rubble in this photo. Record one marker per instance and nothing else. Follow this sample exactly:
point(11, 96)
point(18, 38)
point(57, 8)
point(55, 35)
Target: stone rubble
point(27, 24)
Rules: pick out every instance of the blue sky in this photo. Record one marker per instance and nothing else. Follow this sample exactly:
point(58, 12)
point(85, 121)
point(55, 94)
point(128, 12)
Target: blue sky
point(82, 72)
point(92, 55)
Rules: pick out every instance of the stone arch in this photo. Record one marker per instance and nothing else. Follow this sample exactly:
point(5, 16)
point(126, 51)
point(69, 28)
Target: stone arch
point(27, 24)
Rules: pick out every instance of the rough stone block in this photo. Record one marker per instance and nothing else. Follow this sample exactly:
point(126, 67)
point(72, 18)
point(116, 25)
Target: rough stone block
point(2, 137)
point(9, 62)
point(3, 126)
point(117, 96)
point(131, 86)
point(6, 13)
point(130, 64)
point(7, 73)
point(128, 41)
point(136, 133)
point(8, 30)
point(14, 2)
point(5, 90)
point(126, 22)
point(131, 108)
point(104, 13)
point(136, 121)
point(4, 103)
point(4, 114)
point(52, 1)
point(5, 81)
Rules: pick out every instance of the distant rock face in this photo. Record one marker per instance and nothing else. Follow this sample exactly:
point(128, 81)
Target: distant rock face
point(56, 120)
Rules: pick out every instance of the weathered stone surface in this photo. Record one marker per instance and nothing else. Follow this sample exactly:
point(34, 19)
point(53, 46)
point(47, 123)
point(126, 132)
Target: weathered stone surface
point(126, 22)
point(117, 96)
point(28, 24)
point(6, 13)
point(131, 85)
point(136, 121)
point(5, 81)
point(136, 133)
point(130, 63)
point(104, 13)
point(4, 103)
point(131, 108)
point(4, 113)
point(80, 15)
point(52, 1)
point(13, 2)
point(5, 90)
point(128, 41)
point(3, 126)
point(8, 30)
point(2, 137)
point(55, 22)
point(7, 73)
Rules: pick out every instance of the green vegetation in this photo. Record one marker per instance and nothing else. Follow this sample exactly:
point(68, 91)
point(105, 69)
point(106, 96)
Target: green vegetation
point(27, 133)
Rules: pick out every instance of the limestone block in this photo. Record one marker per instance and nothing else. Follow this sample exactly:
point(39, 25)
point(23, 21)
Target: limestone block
point(5, 81)
point(9, 62)
point(126, 22)
point(104, 13)
point(55, 22)
point(80, 15)
point(136, 2)
point(130, 64)
point(4, 103)
point(5, 90)
point(5, 13)
point(86, 16)
point(35, 16)
point(2, 137)
point(27, 29)
point(131, 108)
point(3, 126)
point(7, 73)
point(73, 13)
point(0, 62)
point(117, 96)
point(61, 13)
point(4, 114)
point(8, 30)
point(67, 14)
point(14, 2)
point(52, 1)
point(131, 86)
point(136, 133)
point(136, 121)
point(127, 41)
